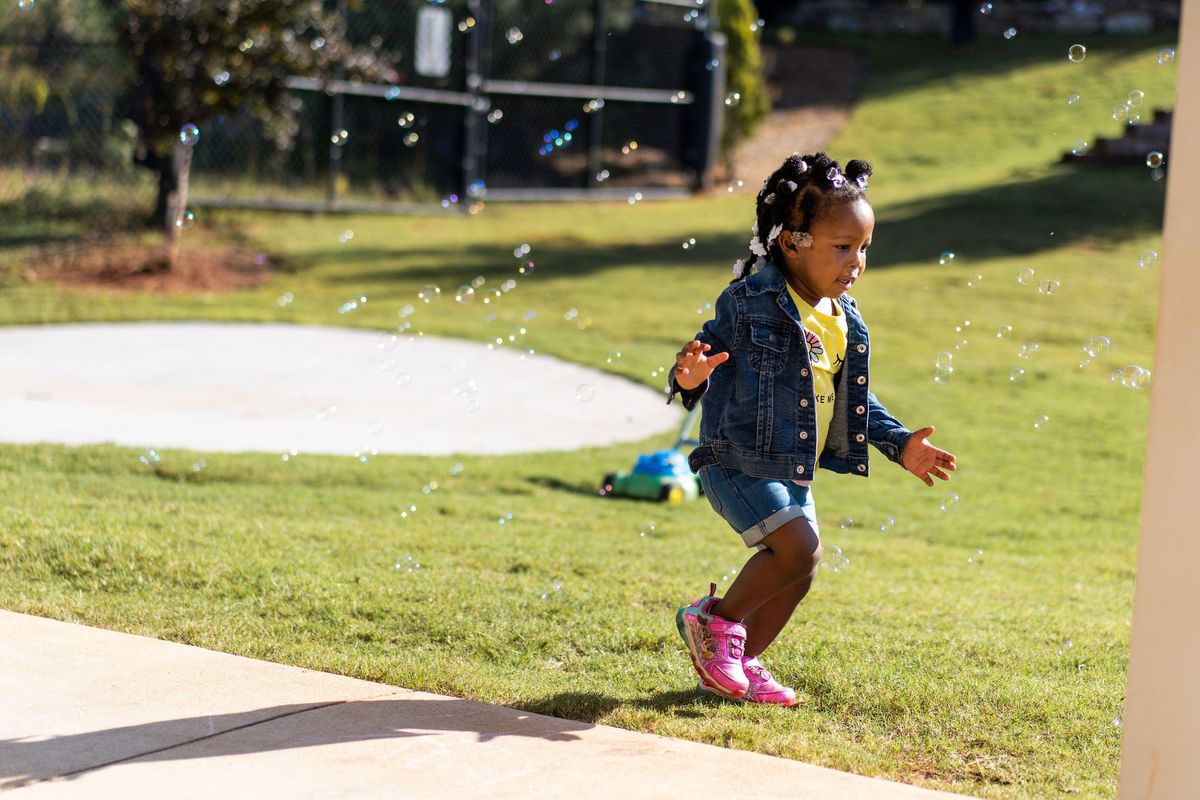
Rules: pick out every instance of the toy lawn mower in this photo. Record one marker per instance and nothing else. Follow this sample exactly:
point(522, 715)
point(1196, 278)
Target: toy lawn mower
point(663, 475)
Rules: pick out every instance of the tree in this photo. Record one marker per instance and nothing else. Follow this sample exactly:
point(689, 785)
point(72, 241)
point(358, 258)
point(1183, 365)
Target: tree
point(197, 59)
point(744, 74)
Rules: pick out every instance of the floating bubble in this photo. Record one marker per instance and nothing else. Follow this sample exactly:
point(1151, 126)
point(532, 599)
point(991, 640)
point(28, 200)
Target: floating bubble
point(585, 393)
point(505, 519)
point(887, 524)
point(345, 236)
point(1016, 375)
point(1027, 350)
point(1148, 259)
point(1120, 112)
point(1048, 286)
point(406, 120)
point(495, 115)
point(602, 176)
point(570, 314)
point(1040, 421)
point(1076, 53)
point(1133, 377)
point(1080, 148)
point(1025, 276)
point(943, 374)
point(690, 243)
point(473, 406)
point(1157, 174)
point(327, 412)
point(949, 501)
point(150, 458)
point(464, 294)
point(847, 523)
point(456, 469)
point(834, 560)
point(1135, 98)
point(593, 105)
point(1166, 57)
point(733, 98)
point(975, 282)
point(1097, 346)
point(960, 344)
point(962, 326)
point(411, 139)
point(429, 293)
point(199, 466)
point(1010, 33)
point(946, 257)
point(365, 454)
point(289, 455)
point(1154, 159)
point(340, 137)
point(404, 379)
point(972, 559)
point(186, 221)
point(25, 5)
point(613, 357)
point(285, 299)
point(406, 563)
point(189, 134)
point(514, 35)
point(734, 185)
point(648, 529)
point(985, 9)
point(943, 360)
point(757, 25)
point(429, 488)
point(553, 591)
point(1004, 331)
point(1073, 99)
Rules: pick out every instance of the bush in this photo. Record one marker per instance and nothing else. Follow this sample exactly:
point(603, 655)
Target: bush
point(743, 71)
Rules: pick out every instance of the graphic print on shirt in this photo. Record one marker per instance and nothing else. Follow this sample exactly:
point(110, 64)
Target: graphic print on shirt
point(815, 348)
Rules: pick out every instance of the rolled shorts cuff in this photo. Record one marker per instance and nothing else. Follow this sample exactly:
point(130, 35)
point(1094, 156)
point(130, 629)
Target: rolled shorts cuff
point(754, 535)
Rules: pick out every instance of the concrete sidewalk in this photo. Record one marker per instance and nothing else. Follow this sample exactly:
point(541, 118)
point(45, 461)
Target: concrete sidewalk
point(94, 713)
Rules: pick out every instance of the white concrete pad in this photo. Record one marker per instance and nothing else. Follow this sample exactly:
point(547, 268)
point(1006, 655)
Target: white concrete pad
point(275, 388)
point(92, 713)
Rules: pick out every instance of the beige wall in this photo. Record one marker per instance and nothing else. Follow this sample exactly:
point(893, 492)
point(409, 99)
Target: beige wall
point(1160, 757)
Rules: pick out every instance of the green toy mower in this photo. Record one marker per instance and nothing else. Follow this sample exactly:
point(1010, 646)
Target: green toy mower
point(663, 475)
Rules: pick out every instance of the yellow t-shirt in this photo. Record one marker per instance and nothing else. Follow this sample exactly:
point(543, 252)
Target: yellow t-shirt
point(826, 338)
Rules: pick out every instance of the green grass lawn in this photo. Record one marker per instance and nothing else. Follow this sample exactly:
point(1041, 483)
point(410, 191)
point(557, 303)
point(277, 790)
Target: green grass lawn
point(981, 649)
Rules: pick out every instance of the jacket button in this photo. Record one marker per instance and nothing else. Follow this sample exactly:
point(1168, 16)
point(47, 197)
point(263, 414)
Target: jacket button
point(799, 470)
point(862, 379)
point(804, 404)
point(804, 373)
point(803, 434)
point(860, 438)
point(862, 467)
point(860, 410)
point(862, 348)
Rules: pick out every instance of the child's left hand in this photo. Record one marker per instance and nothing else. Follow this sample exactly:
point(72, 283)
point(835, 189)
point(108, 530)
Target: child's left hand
point(923, 459)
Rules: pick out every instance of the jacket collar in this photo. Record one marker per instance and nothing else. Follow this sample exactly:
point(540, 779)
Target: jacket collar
point(770, 279)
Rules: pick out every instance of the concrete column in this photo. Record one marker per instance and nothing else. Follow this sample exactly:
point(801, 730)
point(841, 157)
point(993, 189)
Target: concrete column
point(1160, 756)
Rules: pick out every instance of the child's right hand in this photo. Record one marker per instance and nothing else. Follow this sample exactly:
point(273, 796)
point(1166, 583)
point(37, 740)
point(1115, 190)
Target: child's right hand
point(692, 367)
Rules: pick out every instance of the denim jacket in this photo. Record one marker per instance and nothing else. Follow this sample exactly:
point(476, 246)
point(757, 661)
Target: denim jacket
point(759, 414)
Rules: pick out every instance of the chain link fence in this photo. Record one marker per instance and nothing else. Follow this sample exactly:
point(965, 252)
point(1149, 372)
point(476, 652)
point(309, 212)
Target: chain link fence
point(494, 99)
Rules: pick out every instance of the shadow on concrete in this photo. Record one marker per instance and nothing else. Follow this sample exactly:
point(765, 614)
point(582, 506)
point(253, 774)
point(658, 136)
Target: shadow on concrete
point(277, 728)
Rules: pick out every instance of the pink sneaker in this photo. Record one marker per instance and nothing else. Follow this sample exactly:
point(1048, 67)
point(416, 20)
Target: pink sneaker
point(764, 688)
point(716, 646)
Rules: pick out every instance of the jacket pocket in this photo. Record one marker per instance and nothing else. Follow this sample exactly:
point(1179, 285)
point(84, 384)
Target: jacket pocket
point(769, 342)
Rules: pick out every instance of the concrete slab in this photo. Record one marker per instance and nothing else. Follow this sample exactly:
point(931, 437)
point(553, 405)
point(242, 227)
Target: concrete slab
point(276, 388)
point(92, 713)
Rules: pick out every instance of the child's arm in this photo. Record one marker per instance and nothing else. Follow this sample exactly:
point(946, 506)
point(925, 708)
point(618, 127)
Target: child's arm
point(909, 449)
point(699, 357)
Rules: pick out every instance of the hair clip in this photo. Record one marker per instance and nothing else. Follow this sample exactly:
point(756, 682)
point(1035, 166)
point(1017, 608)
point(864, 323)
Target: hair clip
point(861, 180)
point(802, 166)
point(835, 177)
point(769, 199)
point(802, 239)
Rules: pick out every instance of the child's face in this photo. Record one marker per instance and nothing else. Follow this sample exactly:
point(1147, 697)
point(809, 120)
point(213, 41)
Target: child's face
point(838, 256)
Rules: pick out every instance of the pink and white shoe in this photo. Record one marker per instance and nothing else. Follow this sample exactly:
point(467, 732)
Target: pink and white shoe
point(764, 688)
point(716, 645)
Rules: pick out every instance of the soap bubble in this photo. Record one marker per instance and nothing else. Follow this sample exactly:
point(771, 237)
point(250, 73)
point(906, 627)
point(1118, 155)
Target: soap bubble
point(985, 8)
point(1120, 112)
point(1027, 350)
point(689, 244)
point(733, 98)
point(946, 257)
point(429, 293)
point(345, 236)
point(975, 281)
point(1154, 159)
point(364, 454)
point(406, 120)
point(406, 563)
point(464, 294)
point(1025, 276)
point(514, 35)
point(1133, 377)
point(1016, 375)
point(1073, 100)
point(456, 469)
point(1166, 57)
point(150, 458)
point(285, 299)
point(1148, 259)
point(1097, 346)
point(585, 393)
point(943, 360)
point(833, 559)
point(962, 326)
point(1010, 33)
point(1080, 148)
point(186, 221)
point(613, 357)
point(943, 374)
point(1004, 331)
point(553, 591)
point(949, 501)
point(1048, 286)
point(411, 139)
point(1135, 98)
point(1040, 421)
point(1076, 53)
point(404, 379)
point(505, 519)
point(887, 524)
point(847, 523)
point(648, 529)
point(189, 134)
point(495, 115)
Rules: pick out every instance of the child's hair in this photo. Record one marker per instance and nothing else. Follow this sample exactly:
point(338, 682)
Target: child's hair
point(795, 195)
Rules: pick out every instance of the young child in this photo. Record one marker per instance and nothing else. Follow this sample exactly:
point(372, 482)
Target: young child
point(794, 394)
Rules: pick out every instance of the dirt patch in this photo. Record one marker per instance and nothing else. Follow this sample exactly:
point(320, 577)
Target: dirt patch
point(133, 266)
point(812, 89)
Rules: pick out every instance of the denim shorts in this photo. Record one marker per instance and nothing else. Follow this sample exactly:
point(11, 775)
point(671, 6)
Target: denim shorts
point(755, 507)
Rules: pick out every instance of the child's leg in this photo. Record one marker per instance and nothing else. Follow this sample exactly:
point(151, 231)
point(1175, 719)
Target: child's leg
point(792, 554)
point(764, 623)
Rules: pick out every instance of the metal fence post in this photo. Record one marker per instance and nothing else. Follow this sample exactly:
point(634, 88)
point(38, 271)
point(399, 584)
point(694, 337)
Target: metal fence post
point(474, 129)
point(596, 121)
point(337, 117)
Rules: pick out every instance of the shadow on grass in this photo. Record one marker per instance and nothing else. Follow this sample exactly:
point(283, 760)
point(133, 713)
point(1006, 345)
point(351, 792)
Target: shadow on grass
point(1069, 205)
